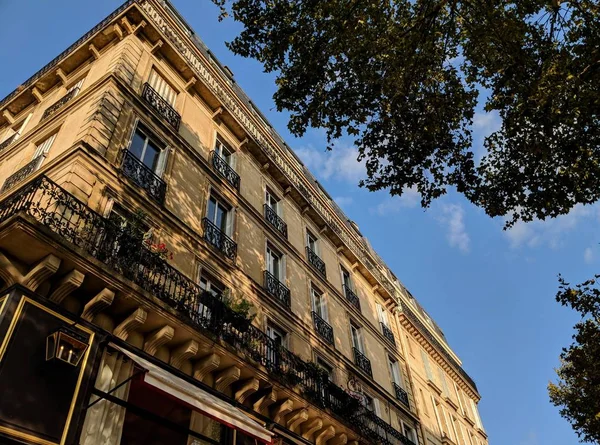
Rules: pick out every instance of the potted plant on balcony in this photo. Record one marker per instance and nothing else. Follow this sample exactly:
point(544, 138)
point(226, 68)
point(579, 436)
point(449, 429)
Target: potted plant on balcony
point(241, 312)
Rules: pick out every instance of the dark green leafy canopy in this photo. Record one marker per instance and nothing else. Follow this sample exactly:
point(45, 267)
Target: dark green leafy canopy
point(577, 392)
point(402, 77)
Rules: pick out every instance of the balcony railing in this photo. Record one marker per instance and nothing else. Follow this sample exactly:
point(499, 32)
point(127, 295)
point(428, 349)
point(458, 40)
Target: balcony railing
point(351, 297)
point(218, 239)
point(59, 103)
point(144, 177)
point(8, 142)
point(161, 106)
point(316, 262)
point(401, 394)
point(275, 220)
point(224, 169)
point(276, 289)
point(22, 173)
point(362, 362)
point(323, 328)
point(60, 212)
point(387, 333)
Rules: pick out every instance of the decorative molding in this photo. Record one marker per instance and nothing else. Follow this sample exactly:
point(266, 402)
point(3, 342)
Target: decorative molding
point(183, 352)
point(131, 323)
point(206, 365)
point(226, 377)
point(101, 301)
point(158, 338)
point(67, 284)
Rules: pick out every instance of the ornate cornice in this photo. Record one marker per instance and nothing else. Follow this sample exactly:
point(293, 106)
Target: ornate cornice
point(408, 316)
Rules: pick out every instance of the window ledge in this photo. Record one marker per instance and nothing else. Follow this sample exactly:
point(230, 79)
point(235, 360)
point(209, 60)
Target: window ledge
point(433, 385)
point(451, 402)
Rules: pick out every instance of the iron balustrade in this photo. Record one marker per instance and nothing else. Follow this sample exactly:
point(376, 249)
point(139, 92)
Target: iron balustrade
point(22, 173)
point(362, 362)
point(161, 106)
point(401, 394)
point(277, 289)
point(218, 239)
point(316, 262)
point(59, 103)
point(8, 141)
point(351, 297)
point(387, 333)
point(225, 170)
point(123, 250)
point(275, 220)
point(144, 177)
point(323, 328)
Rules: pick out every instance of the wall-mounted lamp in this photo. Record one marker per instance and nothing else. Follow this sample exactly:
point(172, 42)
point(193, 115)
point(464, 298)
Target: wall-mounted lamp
point(67, 345)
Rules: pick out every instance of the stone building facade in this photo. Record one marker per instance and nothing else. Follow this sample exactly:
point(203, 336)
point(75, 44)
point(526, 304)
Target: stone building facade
point(172, 272)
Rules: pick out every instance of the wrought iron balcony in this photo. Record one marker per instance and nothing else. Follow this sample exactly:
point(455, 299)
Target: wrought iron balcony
point(225, 170)
point(362, 362)
point(161, 106)
point(316, 262)
point(401, 394)
point(275, 220)
point(218, 239)
point(22, 173)
point(60, 212)
point(323, 328)
point(144, 177)
point(59, 103)
point(8, 142)
point(276, 289)
point(351, 297)
point(387, 333)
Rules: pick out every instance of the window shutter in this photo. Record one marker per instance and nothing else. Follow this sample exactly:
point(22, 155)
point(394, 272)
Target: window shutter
point(161, 86)
point(21, 129)
point(324, 309)
point(43, 148)
point(230, 223)
point(376, 406)
point(77, 86)
point(426, 364)
point(162, 162)
point(283, 268)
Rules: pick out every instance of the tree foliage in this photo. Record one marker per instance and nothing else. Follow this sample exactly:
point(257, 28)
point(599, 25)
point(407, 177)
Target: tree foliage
point(403, 79)
point(577, 392)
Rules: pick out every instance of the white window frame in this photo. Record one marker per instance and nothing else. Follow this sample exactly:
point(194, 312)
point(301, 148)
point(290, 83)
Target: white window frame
point(323, 303)
point(273, 201)
point(383, 316)
point(273, 328)
point(413, 435)
point(395, 373)
point(42, 149)
point(357, 341)
point(272, 251)
point(427, 365)
point(161, 163)
point(229, 215)
point(220, 147)
point(309, 236)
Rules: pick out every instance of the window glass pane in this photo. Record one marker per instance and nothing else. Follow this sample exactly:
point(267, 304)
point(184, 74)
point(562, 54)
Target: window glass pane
point(212, 207)
point(151, 154)
point(137, 144)
point(221, 218)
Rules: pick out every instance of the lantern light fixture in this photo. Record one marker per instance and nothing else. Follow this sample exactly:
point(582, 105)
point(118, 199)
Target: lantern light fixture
point(66, 345)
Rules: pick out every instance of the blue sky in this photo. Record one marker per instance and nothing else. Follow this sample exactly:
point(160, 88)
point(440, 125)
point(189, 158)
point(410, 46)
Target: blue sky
point(491, 291)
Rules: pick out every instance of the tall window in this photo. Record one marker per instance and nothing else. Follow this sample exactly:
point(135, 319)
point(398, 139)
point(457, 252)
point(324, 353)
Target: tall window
point(424, 402)
point(319, 305)
point(43, 147)
point(356, 336)
point(275, 263)
point(13, 133)
point(160, 85)
point(346, 279)
point(224, 152)
point(210, 284)
point(148, 149)
point(278, 335)
point(76, 87)
point(372, 404)
point(395, 371)
point(443, 382)
point(383, 316)
point(272, 201)
point(219, 213)
point(311, 242)
point(327, 367)
point(409, 432)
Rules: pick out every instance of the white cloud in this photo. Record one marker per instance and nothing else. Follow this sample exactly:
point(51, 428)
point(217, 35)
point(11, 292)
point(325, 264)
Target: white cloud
point(343, 201)
point(339, 164)
point(393, 204)
point(452, 218)
point(549, 233)
point(484, 124)
point(588, 255)
point(531, 439)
